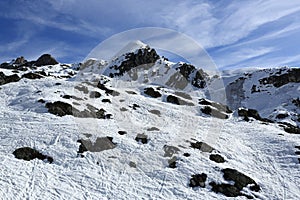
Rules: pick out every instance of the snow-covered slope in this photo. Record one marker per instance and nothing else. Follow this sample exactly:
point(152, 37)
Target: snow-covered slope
point(118, 130)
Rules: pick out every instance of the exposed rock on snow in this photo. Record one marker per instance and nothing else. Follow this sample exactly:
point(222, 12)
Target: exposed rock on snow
point(198, 180)
point(216, 158)
point(27, 153)
point(202, 146)
point(8, 79)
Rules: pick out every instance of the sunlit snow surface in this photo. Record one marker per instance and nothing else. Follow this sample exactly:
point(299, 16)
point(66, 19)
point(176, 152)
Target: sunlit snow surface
point(263, 152)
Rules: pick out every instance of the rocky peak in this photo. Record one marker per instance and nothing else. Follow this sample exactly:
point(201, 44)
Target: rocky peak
point(45, 59)
point(144, 55)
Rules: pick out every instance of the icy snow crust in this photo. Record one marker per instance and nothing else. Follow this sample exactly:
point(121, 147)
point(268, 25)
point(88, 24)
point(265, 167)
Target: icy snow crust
point(263, 152)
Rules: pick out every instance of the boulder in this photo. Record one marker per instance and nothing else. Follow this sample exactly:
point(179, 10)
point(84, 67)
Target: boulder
point(152, 93)
point(216, 158)
point(202, 146)
point(198, 180)
point(27, 153)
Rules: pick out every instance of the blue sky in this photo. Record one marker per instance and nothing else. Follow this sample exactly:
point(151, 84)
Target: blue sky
point(235, 34)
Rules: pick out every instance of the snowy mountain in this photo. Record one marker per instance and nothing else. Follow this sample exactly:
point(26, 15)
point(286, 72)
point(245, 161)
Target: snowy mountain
point(141, 127)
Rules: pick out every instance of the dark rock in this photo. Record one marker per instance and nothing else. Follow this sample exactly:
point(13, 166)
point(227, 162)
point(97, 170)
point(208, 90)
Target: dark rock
point(82, 147)
point(134, 106)
point(67, 96)
point(152, 93)
point(27, 153)
point(143, 57)
point(173, 99)
point(107, 90)
point(101, 144)
point(131, 92)
point(142, 138)
point(57, 83)
point(155, 112)
point(153, 129)
point(206, 110)
point(291, 76)
point(32, 75)
point(122, 132)
point(106, 101)
point(170, 150)
point(282, 116)
point(292, 129)
point(296, 102)
point(45, 59)
point(240, 179)
point(8, 79)
point(202, 147)
point(213, 112)
point(172, 162)
point(95, 94)
point(20, 61)
point(132, 164)
point(198, 180)
point(199, 79)
point(61, 108)
point(246, 113)
point(41, 101)
point(218, 106)
point(217, 158)
point(226, 189)
point(82, 88)
point(187, 154)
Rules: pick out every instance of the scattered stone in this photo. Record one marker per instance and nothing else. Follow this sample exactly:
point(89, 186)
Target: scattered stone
point(57, 83)
point(27, 153)
point(142, 138)
point(134, 106)
point(122, 132)
point(82, 88)
point(153, 129)
point(186, 154)
point(123, 109)
point(67, 96)
point(155, 112)
point(198, 180)
point(220, 107)
point(45, 59)
point(132, 164)
point(131, 92)
point(101, 144)
point(217, 158)
point(152, 93)
point(172, 162)
point(170, 150)
point(202, 147)
point(41, 101)
point(95, 94)
point(106, 101)
point(213, 112)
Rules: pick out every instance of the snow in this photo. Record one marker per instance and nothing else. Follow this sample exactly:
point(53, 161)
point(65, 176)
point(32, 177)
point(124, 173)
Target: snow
point(263, 152)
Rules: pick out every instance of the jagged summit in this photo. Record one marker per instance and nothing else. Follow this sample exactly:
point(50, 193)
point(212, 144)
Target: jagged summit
point(132, 47)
